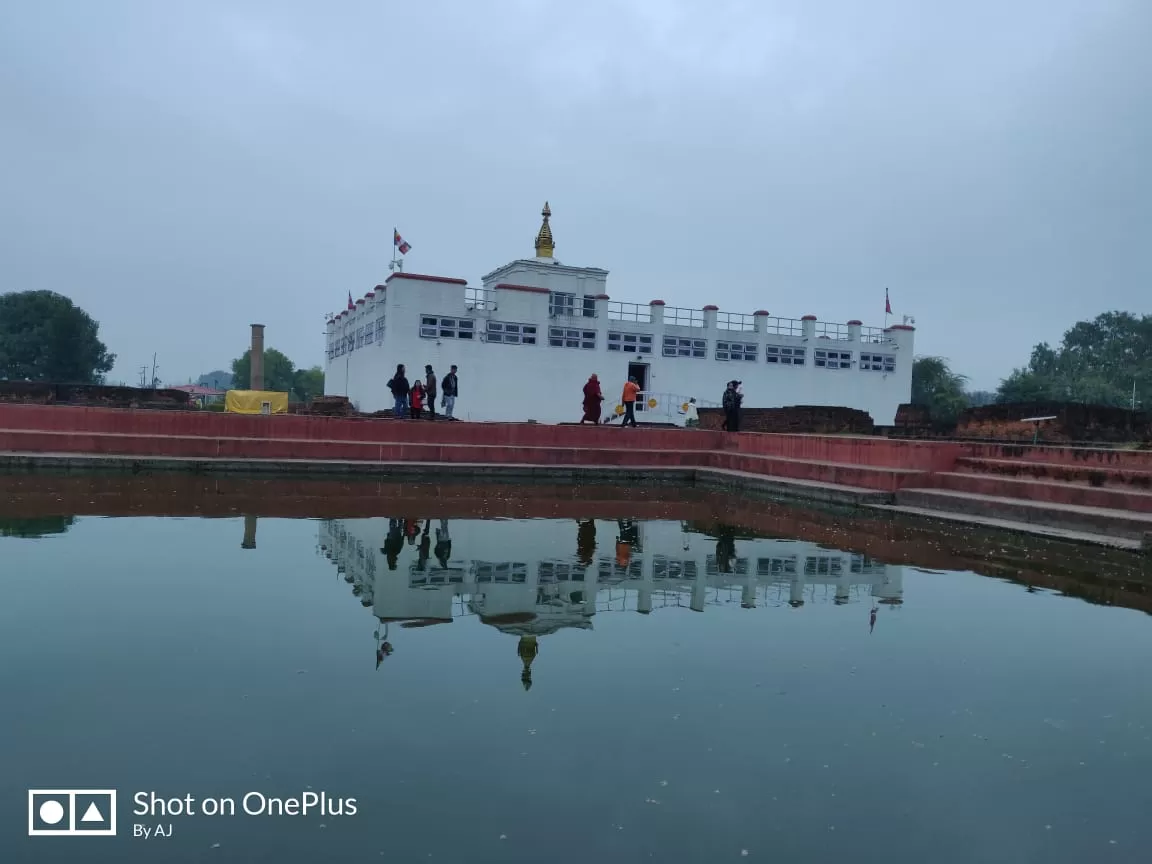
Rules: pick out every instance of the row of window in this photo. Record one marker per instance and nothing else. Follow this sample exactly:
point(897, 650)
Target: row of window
point(358, 338)
point(510, 333)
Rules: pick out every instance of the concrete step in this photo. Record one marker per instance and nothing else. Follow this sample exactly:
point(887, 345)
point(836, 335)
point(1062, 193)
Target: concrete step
point(209, 424)
point(1086, 457)
point(877, 477)
point(1088, 520)
point(1092, 475)
point(626, 452)
point(1053, 492)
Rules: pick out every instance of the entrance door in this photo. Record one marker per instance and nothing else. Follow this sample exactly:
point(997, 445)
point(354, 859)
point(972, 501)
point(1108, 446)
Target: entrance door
point(639, 371)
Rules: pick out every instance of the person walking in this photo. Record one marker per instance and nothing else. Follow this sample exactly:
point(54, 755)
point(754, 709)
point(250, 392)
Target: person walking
point(430, 390)
point(400, 390)
point(631, 390)
point(449, 390)
point(593, 401)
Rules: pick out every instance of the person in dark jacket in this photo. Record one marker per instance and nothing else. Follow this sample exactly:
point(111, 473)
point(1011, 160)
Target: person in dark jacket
point(449, 390)
point(430, 391)
point(731, 404)
point(400, 390)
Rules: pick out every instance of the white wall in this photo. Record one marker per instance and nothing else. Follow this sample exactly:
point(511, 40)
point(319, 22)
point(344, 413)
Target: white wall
point(542, 383)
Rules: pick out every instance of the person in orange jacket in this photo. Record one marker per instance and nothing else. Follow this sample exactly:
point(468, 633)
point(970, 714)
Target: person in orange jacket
point(631, 391)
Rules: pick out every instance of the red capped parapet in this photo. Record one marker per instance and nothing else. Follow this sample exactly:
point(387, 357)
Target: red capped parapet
point(528, 289)
point(711, 308)
point(901, 327)
point(855, 323)
point(808, 318)
point(761, 312)
point(603, 297)
point(657, 303)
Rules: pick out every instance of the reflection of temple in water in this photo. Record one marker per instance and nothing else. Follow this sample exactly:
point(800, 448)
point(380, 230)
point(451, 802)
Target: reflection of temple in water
point(530, 579)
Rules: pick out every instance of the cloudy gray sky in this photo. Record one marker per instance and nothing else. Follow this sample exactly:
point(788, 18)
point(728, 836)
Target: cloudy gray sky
point(181, 169)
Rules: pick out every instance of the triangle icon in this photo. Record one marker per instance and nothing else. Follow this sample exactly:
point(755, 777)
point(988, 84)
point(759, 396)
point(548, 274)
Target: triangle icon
point(92, 814)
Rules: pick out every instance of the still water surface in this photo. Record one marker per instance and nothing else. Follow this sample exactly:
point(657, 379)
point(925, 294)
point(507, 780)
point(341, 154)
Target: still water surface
point(561, 691)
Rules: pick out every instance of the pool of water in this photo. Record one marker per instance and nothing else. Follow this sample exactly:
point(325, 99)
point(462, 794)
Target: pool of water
point(561, 690)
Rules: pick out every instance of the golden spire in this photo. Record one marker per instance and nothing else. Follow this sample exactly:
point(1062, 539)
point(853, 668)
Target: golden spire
point(544, 244)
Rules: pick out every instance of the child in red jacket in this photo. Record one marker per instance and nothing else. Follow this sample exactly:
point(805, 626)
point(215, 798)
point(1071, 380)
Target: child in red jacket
point(417, 400)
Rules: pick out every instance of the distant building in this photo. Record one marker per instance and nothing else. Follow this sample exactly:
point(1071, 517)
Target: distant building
point(200, 395)
point(527, 340)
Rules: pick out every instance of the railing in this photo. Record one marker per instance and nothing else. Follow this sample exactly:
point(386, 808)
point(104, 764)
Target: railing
point(784, 326)
point(825, 330)
point(618, 311)
point(668, 405)
point(735, 321)
point(875, 335)
point(682, 317)
point(480, 299)
point(565, 305)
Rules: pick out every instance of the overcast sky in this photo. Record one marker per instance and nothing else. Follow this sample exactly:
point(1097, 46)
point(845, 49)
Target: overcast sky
point(182, 169)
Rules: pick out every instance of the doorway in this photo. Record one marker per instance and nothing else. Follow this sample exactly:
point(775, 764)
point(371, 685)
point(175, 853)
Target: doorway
point(639, 371)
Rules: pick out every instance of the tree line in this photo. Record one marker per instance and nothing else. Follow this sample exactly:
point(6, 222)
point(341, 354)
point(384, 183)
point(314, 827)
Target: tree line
point(44, 336)
point(1105, 361)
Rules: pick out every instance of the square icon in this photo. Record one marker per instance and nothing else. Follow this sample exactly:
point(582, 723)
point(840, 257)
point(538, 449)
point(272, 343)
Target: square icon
point(71, 812)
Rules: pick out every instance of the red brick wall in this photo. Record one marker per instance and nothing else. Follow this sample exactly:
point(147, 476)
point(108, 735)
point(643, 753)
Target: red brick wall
point(797, 419)
point(1074, 422)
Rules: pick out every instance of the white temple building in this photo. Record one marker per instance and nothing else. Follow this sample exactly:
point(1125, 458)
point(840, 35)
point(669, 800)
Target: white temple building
point(556, 324)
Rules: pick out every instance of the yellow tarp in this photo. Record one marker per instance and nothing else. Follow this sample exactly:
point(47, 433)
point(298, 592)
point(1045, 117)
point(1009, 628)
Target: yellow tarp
point(255, 402)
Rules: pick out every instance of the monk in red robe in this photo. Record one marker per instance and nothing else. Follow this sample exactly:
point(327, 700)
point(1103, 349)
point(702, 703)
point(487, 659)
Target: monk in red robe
point(592, 401)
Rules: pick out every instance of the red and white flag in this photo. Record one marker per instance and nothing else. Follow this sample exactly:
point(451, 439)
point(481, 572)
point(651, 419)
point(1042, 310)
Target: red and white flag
point(887, 303)
point(351, 305)
point(400, 243)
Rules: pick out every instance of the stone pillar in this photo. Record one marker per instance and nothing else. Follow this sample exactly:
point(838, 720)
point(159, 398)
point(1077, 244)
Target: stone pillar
point(257, 359)
point(602, 307)
point(656, 311)
point(854, 330)
point(808, 325)
point(710, 317)
point(760, 319)
point(249, 541)
point(699, 592)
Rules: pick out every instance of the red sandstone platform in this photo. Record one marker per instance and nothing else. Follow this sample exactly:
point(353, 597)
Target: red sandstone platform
point(1104, 491)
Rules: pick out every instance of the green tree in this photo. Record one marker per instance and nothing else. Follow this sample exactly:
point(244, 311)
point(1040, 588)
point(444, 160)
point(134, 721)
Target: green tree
point(279, 373)
point(217, 379)
point(939, 389)
point(44, 336)
point(1097, 362)
point(308, 383)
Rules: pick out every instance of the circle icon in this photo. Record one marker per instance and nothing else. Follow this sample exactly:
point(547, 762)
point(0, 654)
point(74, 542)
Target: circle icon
point(651, 403)
point(51, 812)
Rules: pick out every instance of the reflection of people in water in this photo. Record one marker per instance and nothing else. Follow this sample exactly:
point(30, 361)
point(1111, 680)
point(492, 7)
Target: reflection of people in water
point(527, 648)
point(627, 540)
point(725, 548)
point(872, 619)
point(585, 541)
point(383, 648)
point(425, 546)
point(443, 550)
point(394, 542)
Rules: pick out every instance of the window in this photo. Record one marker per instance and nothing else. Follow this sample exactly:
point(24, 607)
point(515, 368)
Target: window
point(785, 566)
point(560, 303)
point(737, 351)
point(630, 343)
point(832, 359)
point(436, 327)
point(368, 330)
point(823, 565)
point(511, 334)
point(677, 347)
point(563, 337)
point(785, 356)
point(502, 571)
point(380, 330)
point(331, 350)
point(878, 362)
point(359, 337)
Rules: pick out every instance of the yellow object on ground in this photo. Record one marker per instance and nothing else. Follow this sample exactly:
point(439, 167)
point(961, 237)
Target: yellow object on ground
point(255, 402)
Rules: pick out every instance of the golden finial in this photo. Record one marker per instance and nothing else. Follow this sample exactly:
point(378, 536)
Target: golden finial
point(544, 244)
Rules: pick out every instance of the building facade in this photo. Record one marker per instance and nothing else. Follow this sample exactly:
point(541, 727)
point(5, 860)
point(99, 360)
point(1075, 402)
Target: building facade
point(527, 340)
